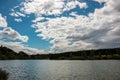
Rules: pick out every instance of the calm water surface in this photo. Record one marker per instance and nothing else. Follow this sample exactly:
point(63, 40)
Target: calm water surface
point(62, 70)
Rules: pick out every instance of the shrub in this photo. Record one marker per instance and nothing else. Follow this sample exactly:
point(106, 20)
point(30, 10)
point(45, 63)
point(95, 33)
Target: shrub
point(3, 74)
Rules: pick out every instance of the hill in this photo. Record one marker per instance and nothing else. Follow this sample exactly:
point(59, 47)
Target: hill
point(8, 54)
point(99, 54)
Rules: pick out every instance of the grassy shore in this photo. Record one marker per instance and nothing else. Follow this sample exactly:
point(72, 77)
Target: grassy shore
point(3, 74)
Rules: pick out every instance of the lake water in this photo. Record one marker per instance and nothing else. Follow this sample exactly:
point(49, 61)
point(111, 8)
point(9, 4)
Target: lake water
point(62, 69)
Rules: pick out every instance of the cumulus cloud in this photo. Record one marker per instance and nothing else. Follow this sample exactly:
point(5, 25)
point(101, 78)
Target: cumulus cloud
point(99, 29)
point(66, 32)
point(18, 46)
point(3, 22)
point(18, 19)
point(100, 1)
point(9, 33)
point(17, 14)
point(48, 7)
point(73, 3)
point(38, 19)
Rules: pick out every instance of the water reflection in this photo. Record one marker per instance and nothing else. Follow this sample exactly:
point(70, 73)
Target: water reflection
point(62, 70)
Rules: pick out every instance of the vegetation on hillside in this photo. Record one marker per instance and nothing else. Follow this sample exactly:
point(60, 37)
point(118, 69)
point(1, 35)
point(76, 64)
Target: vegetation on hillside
point(8, 54)
point(89, 54)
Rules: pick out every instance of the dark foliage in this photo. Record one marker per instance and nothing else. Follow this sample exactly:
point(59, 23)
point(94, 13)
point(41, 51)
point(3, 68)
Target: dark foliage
point(88, 54)
point(8, 54)
point(3, 75)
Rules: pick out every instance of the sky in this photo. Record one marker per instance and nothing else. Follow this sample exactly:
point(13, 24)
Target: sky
point(55, 26)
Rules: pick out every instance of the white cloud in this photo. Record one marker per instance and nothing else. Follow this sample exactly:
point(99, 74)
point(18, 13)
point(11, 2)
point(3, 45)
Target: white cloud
point(38, 19)
point(3, 22)
point(47, 7)
point(97, 30)
point(18, 19)
point(83, 5)
point(9, 33)
point(63, 30)
point(73, 3)
point(18, 46)
point(100, 1)
point(17, 14)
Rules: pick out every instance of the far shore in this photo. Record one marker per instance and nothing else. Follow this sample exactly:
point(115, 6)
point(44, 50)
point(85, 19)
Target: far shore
point(99, 54)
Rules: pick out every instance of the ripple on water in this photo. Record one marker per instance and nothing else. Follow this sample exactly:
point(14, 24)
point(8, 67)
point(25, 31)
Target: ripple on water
point(62, 70)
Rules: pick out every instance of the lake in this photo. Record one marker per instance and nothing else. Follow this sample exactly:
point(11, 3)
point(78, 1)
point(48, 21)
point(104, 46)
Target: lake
point(62, 69)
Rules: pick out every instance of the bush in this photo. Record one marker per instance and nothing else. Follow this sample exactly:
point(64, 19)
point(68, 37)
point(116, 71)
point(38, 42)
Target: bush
point(3, 75)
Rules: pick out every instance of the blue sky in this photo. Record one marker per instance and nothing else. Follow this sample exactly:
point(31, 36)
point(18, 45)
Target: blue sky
point(59, 25)
point(24, 27)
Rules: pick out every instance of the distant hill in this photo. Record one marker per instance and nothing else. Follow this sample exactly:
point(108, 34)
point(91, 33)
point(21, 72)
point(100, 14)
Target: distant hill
point(8, 54)
point(99, 54)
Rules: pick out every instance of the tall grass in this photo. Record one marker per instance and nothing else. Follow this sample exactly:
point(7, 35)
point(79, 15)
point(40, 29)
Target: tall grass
point(3, 74)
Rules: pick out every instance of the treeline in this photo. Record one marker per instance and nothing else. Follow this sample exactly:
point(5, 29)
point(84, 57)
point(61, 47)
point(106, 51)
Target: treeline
point(99, 54)
point(8, 54)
